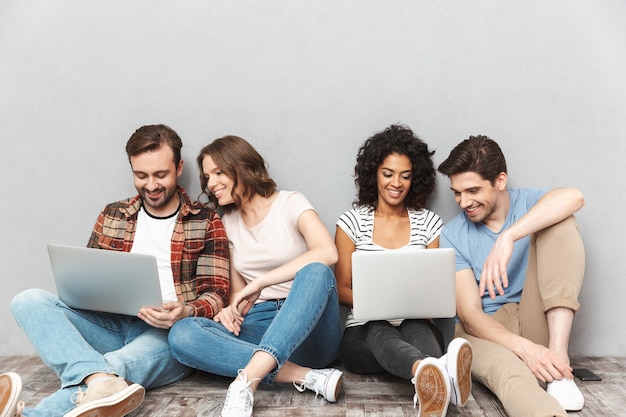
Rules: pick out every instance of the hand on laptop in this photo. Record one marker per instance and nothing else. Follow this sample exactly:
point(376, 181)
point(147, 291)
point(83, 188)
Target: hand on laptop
point(165, 318)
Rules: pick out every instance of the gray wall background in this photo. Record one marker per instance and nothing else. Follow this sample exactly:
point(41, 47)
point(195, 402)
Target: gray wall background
point(306, 83)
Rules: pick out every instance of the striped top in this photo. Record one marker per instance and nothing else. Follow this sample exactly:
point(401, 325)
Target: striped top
point(358, 224)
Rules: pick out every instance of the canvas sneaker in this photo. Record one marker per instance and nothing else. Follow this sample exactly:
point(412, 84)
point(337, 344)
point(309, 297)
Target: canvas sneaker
point(327, 382)
point(111, 397)
point(239, 398)
point(432, 388)
point(567, 394)
point(10, 390)
point(458, 364)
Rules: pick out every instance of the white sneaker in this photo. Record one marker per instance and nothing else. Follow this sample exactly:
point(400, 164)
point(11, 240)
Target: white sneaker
point(458, 364)
point(10, 390)
point(239, 398)
point(327, 382)
point(567, 394)
point(432, 388)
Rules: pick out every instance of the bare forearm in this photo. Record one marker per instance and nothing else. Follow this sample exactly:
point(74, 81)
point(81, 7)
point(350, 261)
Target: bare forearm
point(286, 272)
point(486, 327)
point(554, 206)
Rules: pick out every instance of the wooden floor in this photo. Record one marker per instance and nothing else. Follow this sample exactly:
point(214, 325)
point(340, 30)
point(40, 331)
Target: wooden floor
point(379, 395)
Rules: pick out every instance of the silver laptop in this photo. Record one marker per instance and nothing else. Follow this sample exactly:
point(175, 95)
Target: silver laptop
point(105, 280)
point(403, 284)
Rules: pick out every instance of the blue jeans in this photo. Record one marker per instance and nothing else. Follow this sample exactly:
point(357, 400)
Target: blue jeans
point(304, 328)
point(78, 343)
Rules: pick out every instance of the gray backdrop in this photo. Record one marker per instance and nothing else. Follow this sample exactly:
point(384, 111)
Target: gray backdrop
point(306, 83)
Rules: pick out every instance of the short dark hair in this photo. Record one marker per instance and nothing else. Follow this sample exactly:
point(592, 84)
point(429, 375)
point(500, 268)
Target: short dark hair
point(478, 154)
point(401, 140)
point(152, 137)
point(239, 160)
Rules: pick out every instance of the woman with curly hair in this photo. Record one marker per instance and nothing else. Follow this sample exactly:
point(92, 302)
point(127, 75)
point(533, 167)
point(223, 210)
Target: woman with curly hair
point(395, 176)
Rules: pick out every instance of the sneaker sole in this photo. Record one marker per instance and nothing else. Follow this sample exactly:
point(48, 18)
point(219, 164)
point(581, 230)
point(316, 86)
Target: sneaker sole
point(117, 405)
point(336, 378)
point(433, 390)
point(463, 371)
point(10, 389)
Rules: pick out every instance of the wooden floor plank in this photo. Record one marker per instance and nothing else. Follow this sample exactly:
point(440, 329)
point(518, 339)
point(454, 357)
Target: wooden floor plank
point(363, 396)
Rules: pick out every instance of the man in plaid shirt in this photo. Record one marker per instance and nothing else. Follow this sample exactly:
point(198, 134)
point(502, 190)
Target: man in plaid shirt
point(95, 354)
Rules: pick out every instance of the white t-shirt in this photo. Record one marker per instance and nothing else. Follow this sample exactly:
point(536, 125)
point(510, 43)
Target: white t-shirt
point(153, 236)
point(273, 242)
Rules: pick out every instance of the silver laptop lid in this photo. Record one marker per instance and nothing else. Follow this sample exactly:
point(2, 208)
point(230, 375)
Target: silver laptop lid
point(105, 280)
point(403, 284)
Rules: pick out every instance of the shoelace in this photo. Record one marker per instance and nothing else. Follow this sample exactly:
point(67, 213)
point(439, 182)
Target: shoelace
point(78, 396)
point(457, 396)
point(444, 360)
point(18, 409)
point(244, 394)
point(415, 395)
point(301, 384)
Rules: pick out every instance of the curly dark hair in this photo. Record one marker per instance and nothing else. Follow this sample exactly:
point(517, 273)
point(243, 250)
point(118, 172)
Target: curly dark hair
point(401, 140)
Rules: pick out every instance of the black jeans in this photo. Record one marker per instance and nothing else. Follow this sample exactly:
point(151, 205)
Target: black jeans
point(378, 346)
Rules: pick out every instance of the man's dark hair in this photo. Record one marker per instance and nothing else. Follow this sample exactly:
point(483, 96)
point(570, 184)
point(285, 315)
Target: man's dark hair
point(478, 154)
point(152, 137)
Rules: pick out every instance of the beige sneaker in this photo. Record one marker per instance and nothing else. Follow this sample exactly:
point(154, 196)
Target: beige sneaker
point(10, 390)
point(111, 397)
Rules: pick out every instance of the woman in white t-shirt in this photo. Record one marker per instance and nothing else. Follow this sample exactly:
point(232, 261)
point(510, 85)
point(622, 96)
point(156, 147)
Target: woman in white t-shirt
point(283, 317)
point(395, 177)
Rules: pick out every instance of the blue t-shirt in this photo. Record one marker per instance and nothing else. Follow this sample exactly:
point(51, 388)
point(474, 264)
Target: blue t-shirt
point(473, 242)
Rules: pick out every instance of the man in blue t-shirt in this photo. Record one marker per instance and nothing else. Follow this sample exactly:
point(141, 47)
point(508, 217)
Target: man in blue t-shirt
point(520, 265)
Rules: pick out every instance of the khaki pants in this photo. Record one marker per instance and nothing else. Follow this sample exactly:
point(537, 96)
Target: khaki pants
point(554, 276)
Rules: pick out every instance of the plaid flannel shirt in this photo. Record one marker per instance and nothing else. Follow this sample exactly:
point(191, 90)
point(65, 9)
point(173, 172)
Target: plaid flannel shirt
point(200, 254)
